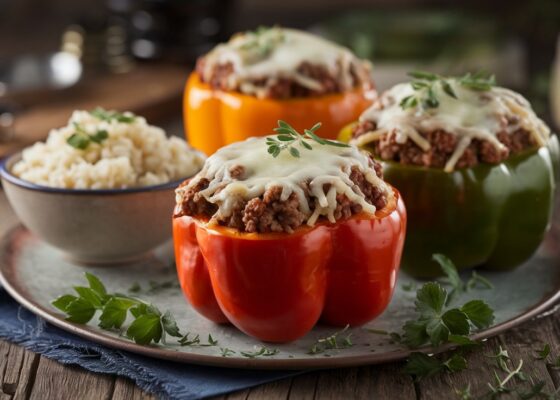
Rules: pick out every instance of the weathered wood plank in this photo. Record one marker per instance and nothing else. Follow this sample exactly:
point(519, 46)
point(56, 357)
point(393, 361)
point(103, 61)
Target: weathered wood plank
point(27, 375)
point(388, 382)
point(12, 371)
point(58, 381)
point(278, 390)
point(304, 386)
point(125, 389)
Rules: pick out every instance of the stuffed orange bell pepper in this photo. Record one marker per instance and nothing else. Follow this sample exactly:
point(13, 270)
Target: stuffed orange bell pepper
point(243, 87)
point(273, 242)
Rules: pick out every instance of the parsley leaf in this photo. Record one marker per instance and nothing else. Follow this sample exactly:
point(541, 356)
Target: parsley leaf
point(145, 329)
point(421, 365)
point(436, 322)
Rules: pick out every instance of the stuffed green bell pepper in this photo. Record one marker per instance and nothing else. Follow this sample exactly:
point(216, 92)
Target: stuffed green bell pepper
point(474, 164)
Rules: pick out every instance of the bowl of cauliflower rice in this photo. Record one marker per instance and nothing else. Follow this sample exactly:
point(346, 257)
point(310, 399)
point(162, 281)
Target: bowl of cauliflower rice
point(101, 188)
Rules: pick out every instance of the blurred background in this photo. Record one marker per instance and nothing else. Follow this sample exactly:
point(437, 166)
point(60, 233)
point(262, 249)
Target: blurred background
point(59, 55)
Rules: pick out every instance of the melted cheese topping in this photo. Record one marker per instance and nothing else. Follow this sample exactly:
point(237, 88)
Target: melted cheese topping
point(277, 53)
point(324, 165)
point(473, 115)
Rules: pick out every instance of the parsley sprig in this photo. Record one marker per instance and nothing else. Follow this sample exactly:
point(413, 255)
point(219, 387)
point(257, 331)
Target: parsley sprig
point(149, 324)
point(426, 84)
point(105, 115)
point(422, 365)
point(81, 139)
point(437, 323)
point(287, 138)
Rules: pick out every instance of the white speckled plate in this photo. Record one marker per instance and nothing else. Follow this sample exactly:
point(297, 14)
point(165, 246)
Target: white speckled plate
point(35, 273)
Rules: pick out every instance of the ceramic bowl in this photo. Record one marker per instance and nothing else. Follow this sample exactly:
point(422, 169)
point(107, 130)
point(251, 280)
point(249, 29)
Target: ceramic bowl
point(93, 226)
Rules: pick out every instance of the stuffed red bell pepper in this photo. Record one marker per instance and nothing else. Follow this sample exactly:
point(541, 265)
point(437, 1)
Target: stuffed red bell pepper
point(275, 233)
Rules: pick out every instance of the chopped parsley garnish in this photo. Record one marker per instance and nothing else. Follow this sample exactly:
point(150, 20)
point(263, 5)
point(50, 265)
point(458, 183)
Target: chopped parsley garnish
point(287, 138)
point(81, 139)
point(261, 42)
point(104, 115)
point(426, 84)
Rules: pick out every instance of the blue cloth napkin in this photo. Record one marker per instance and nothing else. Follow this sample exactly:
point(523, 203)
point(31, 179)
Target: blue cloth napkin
point(163, 378)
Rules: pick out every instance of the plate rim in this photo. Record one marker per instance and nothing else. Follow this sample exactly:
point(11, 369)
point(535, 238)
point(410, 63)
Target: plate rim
point(9, 281)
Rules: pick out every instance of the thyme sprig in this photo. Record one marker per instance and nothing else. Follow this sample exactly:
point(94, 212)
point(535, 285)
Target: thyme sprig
point(287, 138)
point(425, 85)
point(332, 342)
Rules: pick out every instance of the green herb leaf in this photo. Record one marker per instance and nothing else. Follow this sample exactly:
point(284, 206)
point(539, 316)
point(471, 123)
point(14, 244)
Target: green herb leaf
point(421, 365)
point(543, 353)
point(170, 325)
point(64, 301)
point(287, 137)
point(225, 352)
point(448, 89)
point(80, 311)
point(456, 321)
point(105, 115)
point(95, 284)
point(115, 312)
point(99, 136)
point(430, 299)
point(423, 75)
point(456, 363)
point(90, 296)
point(262, 352)
point(78, 141)
point(415, 333)
point(145, 329)
point(479, 313)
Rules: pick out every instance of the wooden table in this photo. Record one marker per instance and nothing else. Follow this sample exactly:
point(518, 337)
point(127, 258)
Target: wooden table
point(26, 375)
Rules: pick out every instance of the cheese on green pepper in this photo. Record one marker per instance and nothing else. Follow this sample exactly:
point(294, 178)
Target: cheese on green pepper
point(471, 114)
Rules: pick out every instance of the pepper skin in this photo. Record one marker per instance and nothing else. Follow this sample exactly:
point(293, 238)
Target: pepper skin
point(216, 118)
point(493, 216)
point(276, 286)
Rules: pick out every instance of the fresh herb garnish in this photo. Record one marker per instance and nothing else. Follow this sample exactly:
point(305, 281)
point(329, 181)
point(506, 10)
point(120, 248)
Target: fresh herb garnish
point(288, 137)
point(81, 139)
point(225, 352)
point(261, 352)
point(436, 322)
point(104, 115)
point(454, 280)
point(149, 324)
point(260, 43)
point(543, 353)
point(195, 341)
point(421, 365)
point(332, 342)
point(426, 84)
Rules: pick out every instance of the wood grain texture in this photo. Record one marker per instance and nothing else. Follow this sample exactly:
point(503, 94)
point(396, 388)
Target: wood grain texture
point(24, 375)
point(125, 389)
point(54, 380)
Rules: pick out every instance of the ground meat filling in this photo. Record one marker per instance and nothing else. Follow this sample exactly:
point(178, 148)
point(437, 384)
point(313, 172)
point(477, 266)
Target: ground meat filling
point(283, 87)
point(268, 213)
point(442, 145)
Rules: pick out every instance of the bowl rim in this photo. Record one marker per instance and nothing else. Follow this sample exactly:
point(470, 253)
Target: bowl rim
point(8, 176)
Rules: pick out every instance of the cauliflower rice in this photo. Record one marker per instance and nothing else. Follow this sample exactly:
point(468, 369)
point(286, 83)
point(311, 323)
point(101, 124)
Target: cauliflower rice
point(133, 154)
